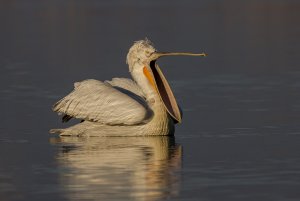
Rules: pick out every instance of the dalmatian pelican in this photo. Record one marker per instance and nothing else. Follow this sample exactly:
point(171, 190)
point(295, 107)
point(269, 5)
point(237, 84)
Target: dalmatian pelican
point(141, 106)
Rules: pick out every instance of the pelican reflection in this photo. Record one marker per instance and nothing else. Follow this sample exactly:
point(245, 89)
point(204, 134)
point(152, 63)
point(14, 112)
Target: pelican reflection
point(119, 168)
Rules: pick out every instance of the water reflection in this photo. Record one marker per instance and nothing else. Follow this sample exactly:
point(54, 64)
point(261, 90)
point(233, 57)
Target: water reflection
point(138, 168)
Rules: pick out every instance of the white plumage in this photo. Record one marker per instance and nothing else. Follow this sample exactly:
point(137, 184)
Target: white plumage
point(93, 100)
point(124, 107)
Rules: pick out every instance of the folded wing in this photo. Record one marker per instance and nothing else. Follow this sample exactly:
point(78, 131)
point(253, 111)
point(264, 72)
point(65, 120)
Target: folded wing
point(127, 84)
point(96, 101)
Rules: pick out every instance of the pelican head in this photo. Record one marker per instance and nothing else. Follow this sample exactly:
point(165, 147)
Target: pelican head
point(141, 59)
point(143, 53)
point(140, 53)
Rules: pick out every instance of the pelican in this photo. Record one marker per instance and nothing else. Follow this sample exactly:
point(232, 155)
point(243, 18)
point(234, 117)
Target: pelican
point(143, 106)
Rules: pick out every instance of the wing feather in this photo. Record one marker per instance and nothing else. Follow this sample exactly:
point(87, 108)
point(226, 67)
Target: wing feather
point(94, 100)
point(126, 84)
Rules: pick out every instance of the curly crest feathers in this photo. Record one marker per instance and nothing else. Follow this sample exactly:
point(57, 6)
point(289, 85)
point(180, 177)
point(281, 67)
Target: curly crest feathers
point(137, 49)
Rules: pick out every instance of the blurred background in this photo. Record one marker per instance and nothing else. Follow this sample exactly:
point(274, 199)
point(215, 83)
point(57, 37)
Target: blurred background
point(241, 104)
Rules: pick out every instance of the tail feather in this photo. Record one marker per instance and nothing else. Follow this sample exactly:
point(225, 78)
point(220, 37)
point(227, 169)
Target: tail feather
point(56, 131)
point(65, 132)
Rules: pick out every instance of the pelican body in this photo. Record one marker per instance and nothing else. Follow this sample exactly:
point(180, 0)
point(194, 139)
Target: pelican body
point(142, 106)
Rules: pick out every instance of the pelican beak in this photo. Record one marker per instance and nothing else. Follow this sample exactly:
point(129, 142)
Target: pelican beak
point(157, 55)
point(163, 86)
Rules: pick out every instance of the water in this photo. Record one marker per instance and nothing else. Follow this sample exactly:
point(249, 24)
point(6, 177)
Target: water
point(240, 135)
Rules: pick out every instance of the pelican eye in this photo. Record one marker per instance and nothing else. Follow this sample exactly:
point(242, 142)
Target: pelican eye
point(147, 52)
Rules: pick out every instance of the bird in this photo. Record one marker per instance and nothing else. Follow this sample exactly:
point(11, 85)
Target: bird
point(142, 106)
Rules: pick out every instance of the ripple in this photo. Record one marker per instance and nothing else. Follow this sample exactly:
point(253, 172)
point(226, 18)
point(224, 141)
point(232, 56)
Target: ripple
point(17, 141)
point(7, 187)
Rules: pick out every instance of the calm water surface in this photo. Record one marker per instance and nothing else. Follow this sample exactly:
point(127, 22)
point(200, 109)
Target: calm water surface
point(240, 135)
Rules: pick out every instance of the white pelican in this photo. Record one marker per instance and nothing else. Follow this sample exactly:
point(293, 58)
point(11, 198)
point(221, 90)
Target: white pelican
point(124, 107)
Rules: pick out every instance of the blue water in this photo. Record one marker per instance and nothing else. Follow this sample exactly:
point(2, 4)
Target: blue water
point(240, 135)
